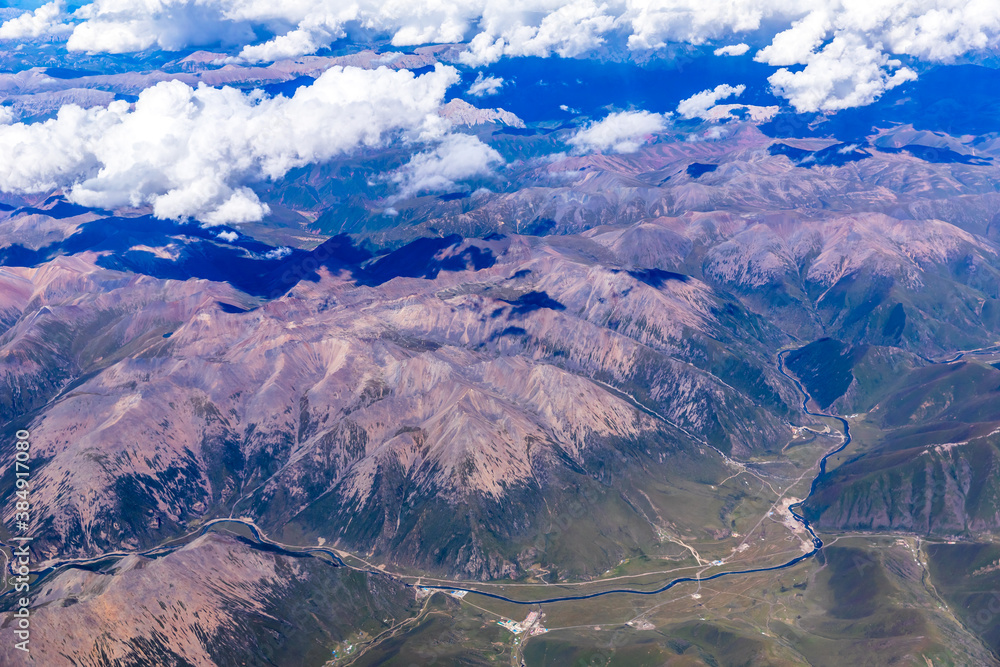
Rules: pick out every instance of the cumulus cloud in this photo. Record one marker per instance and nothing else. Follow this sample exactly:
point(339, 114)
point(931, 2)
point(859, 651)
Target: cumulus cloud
point(823, 36)
point(699, 104)
point(846, 73)
point(621, 132)
point(308, 37)
point(714, 133)
point(191, 152)
point(655, 23)
point(299, 27)
point(228, 236)
point(486, 85)
point(293, 27)
point(566, 29)
point(278, 253)
point(458, 157)
point(732, 50)
point(125, 26)
point(848, 47)
point(46, 21)
point(796, 44)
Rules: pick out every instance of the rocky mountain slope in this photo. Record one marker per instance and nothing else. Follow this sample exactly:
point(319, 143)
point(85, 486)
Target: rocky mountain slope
point(935, 470)
point(351, 411)
point(549, 374)
point(356, 394)
point(214, 599)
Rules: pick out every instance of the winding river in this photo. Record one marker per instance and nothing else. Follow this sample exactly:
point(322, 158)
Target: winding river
point(261, 541)
point(794, 509)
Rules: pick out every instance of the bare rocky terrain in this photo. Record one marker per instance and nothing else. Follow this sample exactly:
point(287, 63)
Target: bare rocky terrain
point(205, 603)
point(435, 388)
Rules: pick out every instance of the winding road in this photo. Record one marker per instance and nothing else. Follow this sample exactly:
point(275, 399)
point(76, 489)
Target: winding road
point(817, 542)
point(263, 541)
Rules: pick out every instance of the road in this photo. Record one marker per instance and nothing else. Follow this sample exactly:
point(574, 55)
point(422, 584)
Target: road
point(264, 541)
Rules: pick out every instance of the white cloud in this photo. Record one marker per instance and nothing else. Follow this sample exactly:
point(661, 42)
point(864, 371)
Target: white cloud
point(299, 27)
point(568, 29)
point(713, 133)
point(125, 26)
point(700, 104)
point(458, 157)
point(228, 236)
point(847, 47)
point(845, 73)
point(314, 30)
point(302, 40)
point(293, 27)
point(191, 152)
point(873, 34)
point(46, 21)
point(486, 85)
point(732, 50)
point(654, 23)
point(796, 44)
point(621, 132)
point(278, 253)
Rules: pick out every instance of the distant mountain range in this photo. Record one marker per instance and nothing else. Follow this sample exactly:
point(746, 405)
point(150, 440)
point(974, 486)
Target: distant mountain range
point(544, 374)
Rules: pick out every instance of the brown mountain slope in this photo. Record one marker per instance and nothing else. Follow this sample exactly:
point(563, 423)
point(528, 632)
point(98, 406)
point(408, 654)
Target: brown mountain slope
point(360, 413)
